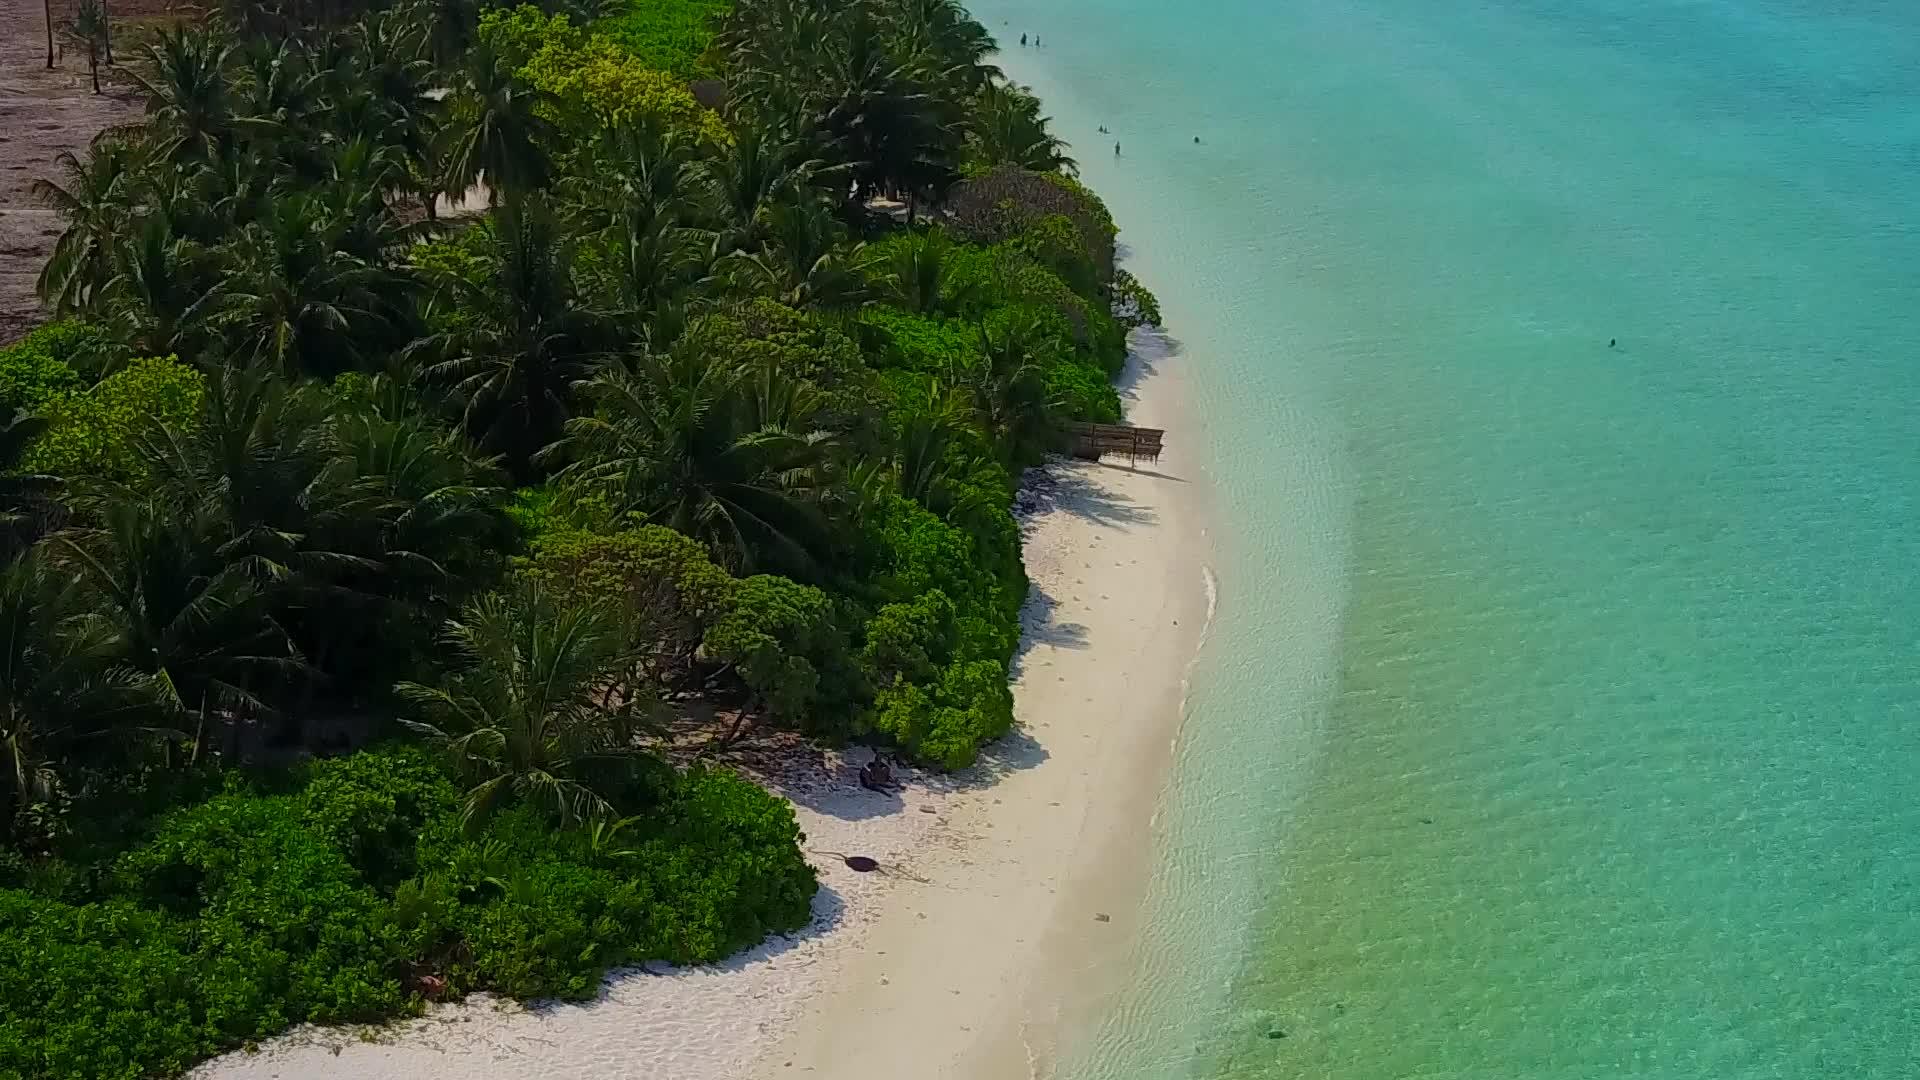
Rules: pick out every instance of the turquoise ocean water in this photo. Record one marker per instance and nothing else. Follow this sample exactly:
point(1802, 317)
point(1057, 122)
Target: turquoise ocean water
point(1562, 714)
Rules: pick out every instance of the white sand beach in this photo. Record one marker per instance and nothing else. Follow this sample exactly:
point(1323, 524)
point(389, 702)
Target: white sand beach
point(1006, 892)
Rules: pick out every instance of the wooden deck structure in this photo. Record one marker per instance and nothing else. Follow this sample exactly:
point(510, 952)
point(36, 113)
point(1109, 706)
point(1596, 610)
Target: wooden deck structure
point(1093, 441)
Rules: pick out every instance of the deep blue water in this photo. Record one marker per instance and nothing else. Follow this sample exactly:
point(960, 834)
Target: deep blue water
point(1562, 718)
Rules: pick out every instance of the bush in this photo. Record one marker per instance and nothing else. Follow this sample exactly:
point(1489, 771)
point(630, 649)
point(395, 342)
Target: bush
point(777, 636)
point(1008, 201)
point(667, 584)
point(937, 647)
point(370, 807)
point(776, 633)
point(910, 641)
point(924, 343)
point(269, 904)
point(596, 81)
point(668, 35)
point(39, 368)
point(96, 432)
point(947, 721)
point(712, 867)
point(762, 333)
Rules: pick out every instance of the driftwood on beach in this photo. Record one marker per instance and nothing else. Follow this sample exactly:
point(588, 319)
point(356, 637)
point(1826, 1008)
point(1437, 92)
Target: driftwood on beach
point(1092, 441)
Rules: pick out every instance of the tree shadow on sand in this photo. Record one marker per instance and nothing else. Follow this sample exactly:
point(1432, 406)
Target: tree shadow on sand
point(1071, 488)
point(1147, 348)
point(1016, 751)
point(1040, 626)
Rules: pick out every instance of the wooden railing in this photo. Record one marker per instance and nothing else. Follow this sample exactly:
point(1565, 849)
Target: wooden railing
point(1093, 441)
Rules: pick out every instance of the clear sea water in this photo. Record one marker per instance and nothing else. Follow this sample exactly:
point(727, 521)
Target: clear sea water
point(1562, 715)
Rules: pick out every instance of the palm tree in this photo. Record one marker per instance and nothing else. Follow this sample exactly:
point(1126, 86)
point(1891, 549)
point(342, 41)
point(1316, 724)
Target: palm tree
point(398, 111)
point(414, 524)
point(89, 27)
point(26, 499)
point(445, 29)
point(59, 684)
point(732, 457)
point(1011, 399)
point(920, 456)
point(297, 297)
point(424, 506)
point(806, 263)
point(94, 196)
point(1006, 128)
point(195, 625)
point(254, 477)
point(635, 190)
point(521, 341)
point(922, 278)
point(160, 295)
point(942, 29)
point(883, 116)
point(495, 133)
point(188, 94)
point(763, 167)
point(541, 710)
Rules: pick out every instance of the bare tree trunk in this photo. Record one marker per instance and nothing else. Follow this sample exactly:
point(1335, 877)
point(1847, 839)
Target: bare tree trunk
point(106, 38)
point(93, 64)
point(739, 724)
point(49, 7)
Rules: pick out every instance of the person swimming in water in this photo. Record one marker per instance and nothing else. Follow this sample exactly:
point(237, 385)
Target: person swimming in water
point(1116, 149)
point(1196, 140)
point(1023, 39)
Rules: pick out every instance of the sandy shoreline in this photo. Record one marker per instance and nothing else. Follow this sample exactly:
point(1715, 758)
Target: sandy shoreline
point(1010, 891)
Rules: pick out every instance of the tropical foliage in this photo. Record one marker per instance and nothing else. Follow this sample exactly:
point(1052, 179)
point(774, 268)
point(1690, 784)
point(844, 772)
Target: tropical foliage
point(451, 407)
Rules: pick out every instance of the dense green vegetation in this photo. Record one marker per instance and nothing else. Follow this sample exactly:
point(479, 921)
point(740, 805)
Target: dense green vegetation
point(357, 558)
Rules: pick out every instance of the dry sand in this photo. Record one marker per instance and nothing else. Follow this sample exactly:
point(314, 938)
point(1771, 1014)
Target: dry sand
point(1009, 893)
point(42, 113)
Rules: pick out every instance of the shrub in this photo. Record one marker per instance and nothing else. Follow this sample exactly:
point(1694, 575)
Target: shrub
point(667, 584)
point(777, 636)
point(96, 432)
point(370, 806)
point(937, 647)
point(924, 343)
point(776, 633)
point(710, 868)
point(911, 640)
point(668, 35)
point(761, 333)
point(947, 721)
point(40, 367)
point(596, 81)
point(104, 990)
point(250, 910)
point(1005, 202)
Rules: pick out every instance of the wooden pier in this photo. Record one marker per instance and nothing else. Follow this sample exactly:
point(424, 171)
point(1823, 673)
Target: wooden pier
point(1094, 441)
